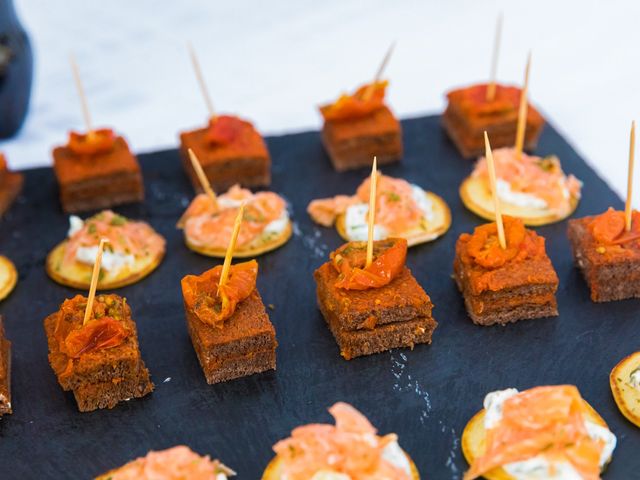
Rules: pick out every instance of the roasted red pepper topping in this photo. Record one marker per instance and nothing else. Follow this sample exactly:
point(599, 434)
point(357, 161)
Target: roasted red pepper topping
point(608, 228)
point(367, 99)
point(213, 305)
point(388, 260)
point(484, 246)
point(224, 129)
point(98, 334)
point(96, 141)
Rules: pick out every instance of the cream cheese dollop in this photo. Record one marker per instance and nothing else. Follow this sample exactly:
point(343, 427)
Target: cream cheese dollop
point(634, 379)
point(357, 227)
point(111, 261)
point(519, 199)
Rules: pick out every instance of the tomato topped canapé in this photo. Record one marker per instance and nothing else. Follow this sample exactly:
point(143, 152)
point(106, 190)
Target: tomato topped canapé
point(388, 260)
point(225, 129)
point(213, 304)
point(367, 99)
point(608, 228)
point(93, 142)
point(474, 100)
point(485, 250)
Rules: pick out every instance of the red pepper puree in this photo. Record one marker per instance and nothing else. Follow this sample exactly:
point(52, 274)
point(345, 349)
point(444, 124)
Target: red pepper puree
point(366, 100)
point(225, 129)
point(92, 143)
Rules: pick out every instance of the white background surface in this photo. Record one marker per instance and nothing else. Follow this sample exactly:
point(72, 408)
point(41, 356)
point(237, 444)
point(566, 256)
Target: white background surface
point(273, 62)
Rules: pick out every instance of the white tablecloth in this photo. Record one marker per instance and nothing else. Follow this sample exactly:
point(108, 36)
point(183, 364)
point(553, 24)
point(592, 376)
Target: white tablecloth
point(273, 62)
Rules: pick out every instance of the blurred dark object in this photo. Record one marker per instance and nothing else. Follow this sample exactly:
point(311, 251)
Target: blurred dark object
point(16, 71)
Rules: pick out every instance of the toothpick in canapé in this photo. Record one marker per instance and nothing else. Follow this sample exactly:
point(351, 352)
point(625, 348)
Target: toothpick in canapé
point(491, 87)
point(204, 181)
point(372, 211)
point(628, 208)
point(81, 94)
point(522, 111)
point(496, 200)
point(378, 76)
point(88, 313)
point(224, 275)
point(201, 82)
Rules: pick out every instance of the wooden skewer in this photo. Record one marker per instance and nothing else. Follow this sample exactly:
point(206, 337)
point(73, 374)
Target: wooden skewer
point(522, 111)
point(81, 94)
point(224, 276)
point(491, 88)
point(632, 147)
point(496, 201)
point(88, 313)
point(201, 82)
point(372, 210)
point(369, 91)
point(204, 181)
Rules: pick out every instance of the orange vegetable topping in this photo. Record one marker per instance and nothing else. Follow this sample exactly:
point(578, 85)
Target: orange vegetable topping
point(474, 99)
point(213, 305)
point(388, 259)
point(545, 421)
point(3, 163)
point(96, 141)
point(609, 228)
point(484, 247)
point(105, 332)
point(367, 99)
point(224, 129)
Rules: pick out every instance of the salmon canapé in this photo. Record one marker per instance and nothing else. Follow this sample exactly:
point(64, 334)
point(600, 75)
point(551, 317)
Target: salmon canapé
point(532, 188)
point(349, 449)
point(549, 432)
point(208, 223)
point(402, 210)
point(134, 250)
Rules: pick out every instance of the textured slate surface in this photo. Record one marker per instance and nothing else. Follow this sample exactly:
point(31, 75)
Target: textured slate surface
point(425, 395)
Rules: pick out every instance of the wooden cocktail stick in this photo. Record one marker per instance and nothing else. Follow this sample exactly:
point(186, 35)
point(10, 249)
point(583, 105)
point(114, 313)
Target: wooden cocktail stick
point(627, 207)
point(496, 201)
point(373, 184)
point(204, 181)
point(88, 313)
point(491, 87)
point(369, 91)
point(81, 94)
point(224, 276)
point(201, 82)
point(522, 111)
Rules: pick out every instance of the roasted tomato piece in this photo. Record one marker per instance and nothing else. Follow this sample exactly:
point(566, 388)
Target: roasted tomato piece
point(484, 245)
point(98, 334)
point(224, 129)
point(213, 305)
point(367, 99)
point(388, 260)
point(96, 141)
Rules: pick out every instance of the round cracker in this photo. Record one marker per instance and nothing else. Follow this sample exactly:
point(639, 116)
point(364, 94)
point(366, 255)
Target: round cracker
point(78, 275)
point(626, 396)
point(476, 196)
point(8, 277)
point(419, 235)
point(254, 249)
point(474, 437)
point(274, 469)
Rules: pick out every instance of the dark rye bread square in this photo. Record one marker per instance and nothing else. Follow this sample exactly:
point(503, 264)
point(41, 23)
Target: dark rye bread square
point(246, 162)
point(469, 140)
point(401, 300)
point(352, 143)
point(612, 273)
point(106, 365)
point(5, 371)
point(244, 344)
point(356, 343)
point(95, 182)
point(92, 396)
point(516, 291)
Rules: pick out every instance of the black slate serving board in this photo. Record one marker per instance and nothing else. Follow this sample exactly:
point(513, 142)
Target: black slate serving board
point(426, 395)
